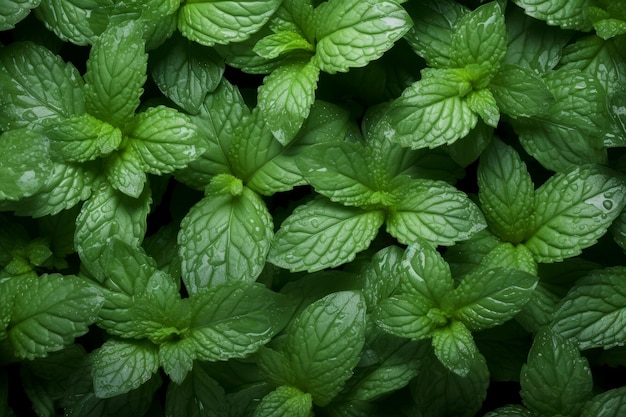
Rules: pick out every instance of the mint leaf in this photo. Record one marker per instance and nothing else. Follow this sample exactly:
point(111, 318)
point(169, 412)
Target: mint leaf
point(286, 97)
point(36, 86)
point(107, 215)
point(563, 13)
point(49, 312)
point(506, 255)
point(556, 379)
point(480, 39)
point(79, 22)
point(519, 92)
point(198, 395)
point(454, 346)
point(506, 192)
point(611, 403)
point(186, 72)
point(510, 411)
point(351, 33)
point(124, 171)
point(285, 401)
point(592, 312)
point(116, 72)
point(441, 217)
point(163, 138)
point(82, 138)
point(210, 22)
point(120, 366)
point(24, 164)
point(432, 111)
point(573, 210)
point(280, 43)
point(381, 276)
point(433, 29)
point(13, 11)
point(224, 237)
point(322, 234)
point(324, 343)
point(489, 298)
point(424, 273)
point(483, 103)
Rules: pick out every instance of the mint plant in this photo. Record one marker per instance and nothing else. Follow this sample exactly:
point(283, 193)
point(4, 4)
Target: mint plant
point(312, 208)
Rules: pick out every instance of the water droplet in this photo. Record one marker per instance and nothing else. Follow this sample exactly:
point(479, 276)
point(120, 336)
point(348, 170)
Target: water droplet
point(607, 204)
point(315, 223)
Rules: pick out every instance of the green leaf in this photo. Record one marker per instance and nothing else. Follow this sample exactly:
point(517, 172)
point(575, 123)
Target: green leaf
point(322, 234)
point(198, 395)
point(506, 255)
point(381, 275)
point(82, 138)
point(211, 22)
point(424, 273)
point(434, 211)
point(13, 11)
point(49, 312)
point(285, 401)
point(286, 97)
point(116, 72)
point(36, 86)
point(120, 366)
point(224, 238)
point(573, 210)
point(568, 14)
point(324, 344)
point(24, 164)
point(433, 29)
point(519, 92)
point(232, 320)
point(177, 357)
point(483, 103)
point(489, 298)
point(164, 140)
point(124, 171)
point(510, 411)
point(480, 39)
point(455, 347)
point(594, 312)
point(107, 215)
point(611, 403)
point(556, 380)
point(409, 316)
point(351, 33)
point(432, 111)
point(506, 192)
point(281, 43)
point(186, 72)
point(76, 21)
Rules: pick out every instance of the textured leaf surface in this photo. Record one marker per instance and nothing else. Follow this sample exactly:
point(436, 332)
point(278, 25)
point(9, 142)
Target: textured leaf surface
point(285, 401)
point(455, 348)
point(564, 13)
point(198, 395)
point(13, 11)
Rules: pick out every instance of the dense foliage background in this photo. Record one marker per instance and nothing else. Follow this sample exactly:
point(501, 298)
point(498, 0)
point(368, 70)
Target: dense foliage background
point(303, 207)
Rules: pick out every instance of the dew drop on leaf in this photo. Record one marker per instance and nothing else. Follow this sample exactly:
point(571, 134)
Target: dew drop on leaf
point(607, 204)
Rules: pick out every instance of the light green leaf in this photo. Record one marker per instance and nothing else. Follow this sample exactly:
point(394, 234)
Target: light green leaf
point(424, 273)
point(198, 395)
point(211, 22)
point(568, 14)
point(107, 215)
point(483, 103)
point(164, 139)
point(489, 298)
point(381, 276)
point(506, 192)
point(120, 366)
point(409, 316)
point(24, 163)
point(186, 72)
point(76, 21)
point(556, 380)
point(232, 320)
point(455, 347)
point(611, 403)
point(434, 211)
point(506, 255)
point(324, 344)
point(573, 210)
point(176, 358)
point(13, 11)
point(322, 234)
point(124, 171)
point(116, 72)
point(286, 97)
point(432, 111)
point(82, 138)
point(49, 312)
point(594, 312)
point(285, 401)
point(36, 86)
point(281, 43)
point(519, 92)
point(433, 29)
point(224, 238)
point(351, 33)
point(480, 39)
